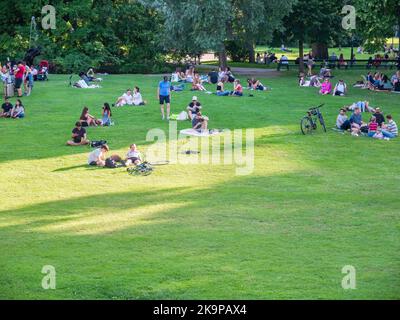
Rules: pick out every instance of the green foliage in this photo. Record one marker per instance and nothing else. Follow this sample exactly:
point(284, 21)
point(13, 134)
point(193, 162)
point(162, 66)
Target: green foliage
point(88, 33)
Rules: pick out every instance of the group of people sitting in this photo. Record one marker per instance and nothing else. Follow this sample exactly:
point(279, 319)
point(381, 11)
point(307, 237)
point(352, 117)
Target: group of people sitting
point(381, 82)
point(130, 98)
point(8, 110)
point(79, 134)
point(377, 127)
point(326, 87)
point(98, 157)
point(199, 121)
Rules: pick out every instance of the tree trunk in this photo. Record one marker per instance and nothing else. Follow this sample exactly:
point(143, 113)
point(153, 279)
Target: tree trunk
point(320, 50)
point(301, 56)
point(252, 52)
point(222, 57)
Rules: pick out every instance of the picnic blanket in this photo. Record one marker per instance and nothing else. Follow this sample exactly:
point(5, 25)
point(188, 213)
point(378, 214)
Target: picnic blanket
point(195, 133)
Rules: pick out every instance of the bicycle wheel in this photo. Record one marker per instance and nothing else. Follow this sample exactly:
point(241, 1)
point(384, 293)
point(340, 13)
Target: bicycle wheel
point(322, 121)
point(306, 125)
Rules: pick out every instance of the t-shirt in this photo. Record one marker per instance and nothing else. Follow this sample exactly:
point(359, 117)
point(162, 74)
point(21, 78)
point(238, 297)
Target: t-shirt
point(7, 107)
point(20, 73)
point(133, 154)
point(195, 107)
point(164, 88)
point(392, 127)
point(356, 118)
point(373, 126)
point(341, 87)
point(213, 77)
point(128, 98)
point(80, 133)
point(284, 60)
point(239, 88)
point(137, 98)
point(94, 156)
point(340, 120)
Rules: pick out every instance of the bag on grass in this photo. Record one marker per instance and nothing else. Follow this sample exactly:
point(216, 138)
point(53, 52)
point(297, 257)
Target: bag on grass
point(98, 144)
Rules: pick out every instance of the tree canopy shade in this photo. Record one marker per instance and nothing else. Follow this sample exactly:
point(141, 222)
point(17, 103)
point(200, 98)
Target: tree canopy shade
point(88, 33)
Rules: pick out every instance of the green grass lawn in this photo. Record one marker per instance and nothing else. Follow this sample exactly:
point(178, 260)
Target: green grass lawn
point(312, 205)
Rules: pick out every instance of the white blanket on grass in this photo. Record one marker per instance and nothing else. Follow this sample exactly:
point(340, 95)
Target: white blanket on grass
point(192, 132)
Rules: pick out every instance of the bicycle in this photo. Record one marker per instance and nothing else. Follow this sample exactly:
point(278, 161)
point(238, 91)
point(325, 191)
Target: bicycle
point(309, 123)
point(145, 168)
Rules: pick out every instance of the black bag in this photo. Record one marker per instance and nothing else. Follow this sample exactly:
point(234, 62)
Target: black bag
point(98, 144)
point(110, 163)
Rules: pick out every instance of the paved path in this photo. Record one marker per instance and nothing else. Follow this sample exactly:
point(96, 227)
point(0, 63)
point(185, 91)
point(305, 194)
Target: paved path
point(247, 71)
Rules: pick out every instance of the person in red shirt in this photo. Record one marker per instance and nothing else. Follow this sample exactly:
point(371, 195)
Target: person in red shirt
point(19, 77)
point(372, 127)
point(238, 89)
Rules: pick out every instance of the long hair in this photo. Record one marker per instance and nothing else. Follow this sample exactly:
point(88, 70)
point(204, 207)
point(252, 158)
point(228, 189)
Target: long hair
point(83, 114)
point(107, 108)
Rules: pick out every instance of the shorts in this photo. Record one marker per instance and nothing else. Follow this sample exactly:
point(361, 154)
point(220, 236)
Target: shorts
point(77, 140)
point(18, 83)
point(134, 159)
point(93, 164)
point(164, 99)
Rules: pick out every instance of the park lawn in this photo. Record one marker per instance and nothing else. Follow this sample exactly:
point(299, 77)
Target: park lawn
point(313, 204)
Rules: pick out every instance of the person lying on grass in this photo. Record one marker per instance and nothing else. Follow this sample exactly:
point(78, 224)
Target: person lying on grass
point(363, 105)
point(125, 99)
point(87, 119)
point(238, 89)
point(6, 108)
point(18, 111)
point(193, 108)
point(133, 156)
point(98, 156)
point(200, 122)
point(326, 87)
point(78, 136)
point(340, 89)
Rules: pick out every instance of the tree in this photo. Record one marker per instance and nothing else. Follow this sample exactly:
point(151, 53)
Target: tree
point(377, 21)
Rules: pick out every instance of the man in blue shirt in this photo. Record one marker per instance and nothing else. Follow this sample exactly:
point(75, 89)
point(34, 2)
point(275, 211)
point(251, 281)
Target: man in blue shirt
point(164, 94)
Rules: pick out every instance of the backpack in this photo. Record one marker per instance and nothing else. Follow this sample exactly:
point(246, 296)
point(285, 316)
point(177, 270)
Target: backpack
point(110, 163)
point(98, 144)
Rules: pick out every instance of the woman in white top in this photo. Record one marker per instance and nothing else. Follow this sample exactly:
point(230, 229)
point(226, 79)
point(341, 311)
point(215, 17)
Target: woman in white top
point(137, 97)
point(126, 98)
point(340, 89)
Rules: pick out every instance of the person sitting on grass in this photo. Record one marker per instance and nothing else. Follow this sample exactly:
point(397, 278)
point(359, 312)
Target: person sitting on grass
point(231, 78)
point(238, 89)
point(78, 136)
point(98, 157)
point(385, 84)
point(6, 107)
point(106, 115)
point(380, 118)
point(340, 89)
point(18, 111)
point(85, 78)
point(194, 108)
point(356, 122)
point(255, 84)
point(213, 77)
point(125, 99)
point(200, 122)
point(133, 156)
point(196, 85)
point(326, 87)
point(372, 127)
point(342, 122)
point(137, 97)
point(87, 119)
point(221, 91)
point(389, 129)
